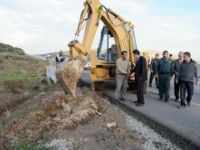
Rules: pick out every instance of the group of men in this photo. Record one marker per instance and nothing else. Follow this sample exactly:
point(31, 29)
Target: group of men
point(183, 69)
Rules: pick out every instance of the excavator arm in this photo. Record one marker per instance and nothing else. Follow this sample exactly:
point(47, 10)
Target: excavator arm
point(121, 30)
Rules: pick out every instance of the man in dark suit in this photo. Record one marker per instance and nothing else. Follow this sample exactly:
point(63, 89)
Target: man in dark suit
point(140, 76)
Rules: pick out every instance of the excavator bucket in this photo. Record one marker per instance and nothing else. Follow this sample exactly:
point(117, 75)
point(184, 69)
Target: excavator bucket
point(71, 74)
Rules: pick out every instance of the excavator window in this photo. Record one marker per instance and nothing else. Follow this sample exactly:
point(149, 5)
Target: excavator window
point(107, 48)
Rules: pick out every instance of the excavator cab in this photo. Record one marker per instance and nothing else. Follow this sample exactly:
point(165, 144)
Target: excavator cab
point(107, 48)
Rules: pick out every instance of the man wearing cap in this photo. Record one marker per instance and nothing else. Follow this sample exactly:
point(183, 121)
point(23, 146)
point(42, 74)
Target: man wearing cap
point(122, 71)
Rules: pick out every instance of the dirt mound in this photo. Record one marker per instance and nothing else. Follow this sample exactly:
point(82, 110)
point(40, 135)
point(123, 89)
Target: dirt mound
point(63, 112)
point(81, 123)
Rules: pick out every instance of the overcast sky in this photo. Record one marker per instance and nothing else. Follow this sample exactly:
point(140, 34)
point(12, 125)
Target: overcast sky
point(40, 26)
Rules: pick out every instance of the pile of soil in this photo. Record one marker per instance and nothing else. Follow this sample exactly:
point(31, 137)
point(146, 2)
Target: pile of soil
point(54, 115)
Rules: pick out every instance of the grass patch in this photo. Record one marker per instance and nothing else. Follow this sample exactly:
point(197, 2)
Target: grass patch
point(21, 70)
point(17, 78)
point(24, 144)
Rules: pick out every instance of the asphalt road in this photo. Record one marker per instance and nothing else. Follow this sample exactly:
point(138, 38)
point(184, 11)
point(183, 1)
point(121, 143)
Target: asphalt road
point(184, 122)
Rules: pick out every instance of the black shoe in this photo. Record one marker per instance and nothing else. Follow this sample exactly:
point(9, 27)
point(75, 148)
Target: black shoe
point(161, 98)
point(166, 99)
point(116, 100)
point(122, 99)
point(188, 103)
point(136, 102)
point(182, 106)
point(139, 104)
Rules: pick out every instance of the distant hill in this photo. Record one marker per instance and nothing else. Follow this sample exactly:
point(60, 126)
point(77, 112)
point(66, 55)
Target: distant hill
point(9, 48)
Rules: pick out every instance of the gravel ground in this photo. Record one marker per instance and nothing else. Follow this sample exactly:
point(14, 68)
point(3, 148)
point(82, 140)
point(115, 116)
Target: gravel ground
point(153, 141)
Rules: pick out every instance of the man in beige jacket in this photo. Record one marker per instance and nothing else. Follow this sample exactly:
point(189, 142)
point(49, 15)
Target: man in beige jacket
point(122, 71)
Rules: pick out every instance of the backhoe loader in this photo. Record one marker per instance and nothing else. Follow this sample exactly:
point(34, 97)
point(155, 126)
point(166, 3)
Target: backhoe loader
point(117, 35)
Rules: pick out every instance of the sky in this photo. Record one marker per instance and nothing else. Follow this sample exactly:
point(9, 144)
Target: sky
point(41, 26)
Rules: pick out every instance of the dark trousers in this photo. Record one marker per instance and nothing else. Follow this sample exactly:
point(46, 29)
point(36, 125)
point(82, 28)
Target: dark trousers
point(140, 90)
point(164, 85)
point(176, 89)
point(152, 75)
point(186, 87)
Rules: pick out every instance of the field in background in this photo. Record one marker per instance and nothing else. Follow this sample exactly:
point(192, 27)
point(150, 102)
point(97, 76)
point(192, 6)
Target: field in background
point(20, 68)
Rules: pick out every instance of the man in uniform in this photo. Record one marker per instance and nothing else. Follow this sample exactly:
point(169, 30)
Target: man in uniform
point(153, 69)
point(177, 64)
point(122, 71)
point(165, 73)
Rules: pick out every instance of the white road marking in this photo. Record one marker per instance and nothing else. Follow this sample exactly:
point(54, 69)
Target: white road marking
point(198, 105)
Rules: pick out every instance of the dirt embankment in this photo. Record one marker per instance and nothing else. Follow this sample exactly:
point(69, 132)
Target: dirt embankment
point(20, 78)
point(9, 100)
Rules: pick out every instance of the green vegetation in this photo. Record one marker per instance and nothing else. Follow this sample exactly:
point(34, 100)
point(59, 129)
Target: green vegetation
point(9, 48)
point(24, 144)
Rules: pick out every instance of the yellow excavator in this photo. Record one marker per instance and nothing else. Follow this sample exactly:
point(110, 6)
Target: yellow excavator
point(117, 35)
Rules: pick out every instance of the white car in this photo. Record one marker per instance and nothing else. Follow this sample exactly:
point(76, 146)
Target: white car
point(48, 56)
point(87, 65)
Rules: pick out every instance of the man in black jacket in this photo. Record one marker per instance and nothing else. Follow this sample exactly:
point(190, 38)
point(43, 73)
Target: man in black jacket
point(140, 76)
point(188, 75)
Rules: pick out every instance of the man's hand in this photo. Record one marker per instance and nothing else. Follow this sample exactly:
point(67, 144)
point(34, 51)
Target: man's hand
point(156, 75)
point(176, 81)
